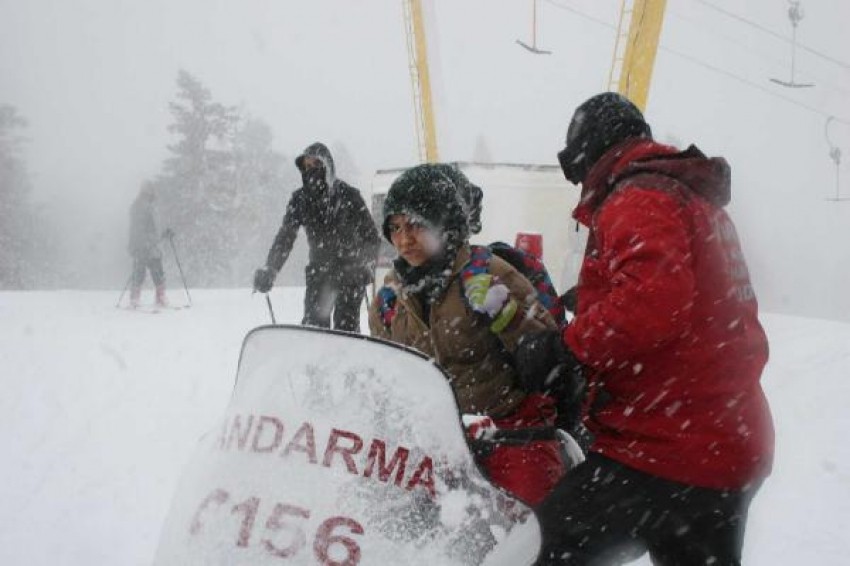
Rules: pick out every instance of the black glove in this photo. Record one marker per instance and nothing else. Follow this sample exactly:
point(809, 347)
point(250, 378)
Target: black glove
point(168, 233)
point(264, 279)
point(546, 366)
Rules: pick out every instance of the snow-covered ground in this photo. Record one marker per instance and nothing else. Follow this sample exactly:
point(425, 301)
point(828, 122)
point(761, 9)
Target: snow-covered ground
point(102, 407)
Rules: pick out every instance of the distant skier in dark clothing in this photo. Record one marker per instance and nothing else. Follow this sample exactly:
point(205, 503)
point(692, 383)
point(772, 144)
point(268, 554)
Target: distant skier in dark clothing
point(343, 242)
point(144, 247)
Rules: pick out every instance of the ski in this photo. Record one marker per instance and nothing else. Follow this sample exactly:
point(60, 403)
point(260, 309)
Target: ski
point(155, 309)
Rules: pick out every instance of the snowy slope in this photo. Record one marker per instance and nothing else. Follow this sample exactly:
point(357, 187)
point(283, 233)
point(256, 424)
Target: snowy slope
point(101, 408)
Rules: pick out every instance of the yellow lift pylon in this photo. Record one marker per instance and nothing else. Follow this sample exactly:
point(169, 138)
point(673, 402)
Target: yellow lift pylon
point(417, 55)
point(635, 50)
point(631, 67)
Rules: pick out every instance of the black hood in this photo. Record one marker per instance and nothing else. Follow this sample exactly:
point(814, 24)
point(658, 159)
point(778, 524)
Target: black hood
point(427, 193)
point(470, 194)
point(598, 124)
point(322, 152)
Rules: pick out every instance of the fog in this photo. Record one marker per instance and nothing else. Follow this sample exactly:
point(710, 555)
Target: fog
point(94, 78)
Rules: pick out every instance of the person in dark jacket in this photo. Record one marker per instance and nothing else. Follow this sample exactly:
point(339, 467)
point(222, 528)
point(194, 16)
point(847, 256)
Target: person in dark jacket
point(343, 242)
point(144, 247)
point(667, 330)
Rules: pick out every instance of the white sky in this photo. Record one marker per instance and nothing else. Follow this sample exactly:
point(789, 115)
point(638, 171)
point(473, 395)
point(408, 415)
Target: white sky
point(94, 78)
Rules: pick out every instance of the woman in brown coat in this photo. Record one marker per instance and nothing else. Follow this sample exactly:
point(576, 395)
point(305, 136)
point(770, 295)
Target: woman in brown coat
point(467, 310)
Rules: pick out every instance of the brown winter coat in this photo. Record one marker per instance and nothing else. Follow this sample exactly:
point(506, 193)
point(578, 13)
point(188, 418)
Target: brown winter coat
point(460, 341)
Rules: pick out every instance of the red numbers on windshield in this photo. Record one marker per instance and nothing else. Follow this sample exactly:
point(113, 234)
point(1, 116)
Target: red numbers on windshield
point(283, 534)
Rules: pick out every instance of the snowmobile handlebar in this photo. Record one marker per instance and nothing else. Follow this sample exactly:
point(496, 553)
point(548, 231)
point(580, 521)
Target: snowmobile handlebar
point(521, 436)
point(484, 445)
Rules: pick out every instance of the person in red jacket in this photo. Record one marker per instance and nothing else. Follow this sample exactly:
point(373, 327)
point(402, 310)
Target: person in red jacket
point(667, 331)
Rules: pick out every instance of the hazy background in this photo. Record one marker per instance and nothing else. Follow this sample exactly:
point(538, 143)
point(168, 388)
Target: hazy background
point(93, 79)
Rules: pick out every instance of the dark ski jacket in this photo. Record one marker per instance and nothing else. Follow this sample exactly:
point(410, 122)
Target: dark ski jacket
point(341, 234)
point(667, 321)
point(143, 234)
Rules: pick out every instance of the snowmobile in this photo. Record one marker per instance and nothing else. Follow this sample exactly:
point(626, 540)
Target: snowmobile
point(338, 450)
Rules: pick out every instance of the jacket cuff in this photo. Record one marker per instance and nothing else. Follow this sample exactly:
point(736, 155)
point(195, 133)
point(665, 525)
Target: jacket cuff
point(505, 317)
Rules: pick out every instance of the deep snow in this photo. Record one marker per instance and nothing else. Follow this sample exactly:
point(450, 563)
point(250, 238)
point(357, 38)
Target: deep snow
point(102, 408)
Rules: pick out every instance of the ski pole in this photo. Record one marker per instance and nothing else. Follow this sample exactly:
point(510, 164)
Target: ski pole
point(271, 310)
point(179, 267)
point(121, 297)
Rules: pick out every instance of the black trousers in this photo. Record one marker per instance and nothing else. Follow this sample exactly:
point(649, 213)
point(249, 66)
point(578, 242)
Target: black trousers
point(328, 292)
point(603, 513)
point(143, 263)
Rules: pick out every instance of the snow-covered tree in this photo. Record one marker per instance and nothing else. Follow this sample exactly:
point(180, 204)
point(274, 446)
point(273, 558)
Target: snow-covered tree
point(217, 185)
point(263, 179)
point(14, 189)
point(24, 254)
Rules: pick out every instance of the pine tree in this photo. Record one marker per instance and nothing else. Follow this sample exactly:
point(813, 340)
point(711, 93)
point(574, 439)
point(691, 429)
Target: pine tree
point(260, 175)
point(195, 185)
point(217, 186)
point(15, 213)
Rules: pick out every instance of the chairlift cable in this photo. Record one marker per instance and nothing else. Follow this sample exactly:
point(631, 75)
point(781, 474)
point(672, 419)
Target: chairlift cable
point(583, 15)
point(710, 67)
point(612, 27)
point(770, 32)
point(755, 85)
point(756, 53)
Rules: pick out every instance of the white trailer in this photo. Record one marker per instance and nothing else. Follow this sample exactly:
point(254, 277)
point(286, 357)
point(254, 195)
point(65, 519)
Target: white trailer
point(518, 198)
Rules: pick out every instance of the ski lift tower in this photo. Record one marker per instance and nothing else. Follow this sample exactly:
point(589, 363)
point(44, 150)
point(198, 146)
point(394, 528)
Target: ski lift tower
point(420, 76)
point(795, 14)
point(638, 34)
point(533, 47)
point(835, 155)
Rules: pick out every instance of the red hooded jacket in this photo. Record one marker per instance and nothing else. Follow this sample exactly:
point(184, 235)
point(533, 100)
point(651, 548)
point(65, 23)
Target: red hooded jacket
point(667, 320)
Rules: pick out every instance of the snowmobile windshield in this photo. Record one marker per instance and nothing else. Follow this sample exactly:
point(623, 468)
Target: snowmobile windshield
point(337, 449)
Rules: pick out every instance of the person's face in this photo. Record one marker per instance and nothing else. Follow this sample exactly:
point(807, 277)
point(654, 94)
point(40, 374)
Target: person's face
point(414, 242)
point(311, 162)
